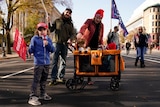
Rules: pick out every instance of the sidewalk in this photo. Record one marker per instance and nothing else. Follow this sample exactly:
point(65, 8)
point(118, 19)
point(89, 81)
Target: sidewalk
point(8, 56)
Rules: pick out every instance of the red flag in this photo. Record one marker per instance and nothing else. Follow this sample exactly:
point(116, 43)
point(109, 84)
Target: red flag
point(19, 45)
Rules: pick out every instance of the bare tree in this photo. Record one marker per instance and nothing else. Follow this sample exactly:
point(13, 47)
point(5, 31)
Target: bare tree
point(15, 5)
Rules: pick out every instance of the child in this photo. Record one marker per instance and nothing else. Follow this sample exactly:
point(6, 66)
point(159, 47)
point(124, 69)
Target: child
point(40, 46)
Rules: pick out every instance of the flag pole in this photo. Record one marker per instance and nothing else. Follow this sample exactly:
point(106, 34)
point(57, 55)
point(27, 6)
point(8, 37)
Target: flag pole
point(111, 17)
point(45, 9)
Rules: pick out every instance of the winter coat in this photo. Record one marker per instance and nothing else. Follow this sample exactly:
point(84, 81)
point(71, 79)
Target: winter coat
point(41, 53)
point(64, 30)
point(140, 40)
point(114, 36)
point(91, 26)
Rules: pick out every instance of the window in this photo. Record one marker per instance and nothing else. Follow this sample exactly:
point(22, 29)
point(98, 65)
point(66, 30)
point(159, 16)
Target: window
point(152, 16)
point(156, 16)
point(153, 23)
point(153, 37)
point(152, 30)
point(156, 24)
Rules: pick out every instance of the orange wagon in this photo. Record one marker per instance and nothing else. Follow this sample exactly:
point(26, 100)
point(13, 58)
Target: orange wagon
point(96, 63)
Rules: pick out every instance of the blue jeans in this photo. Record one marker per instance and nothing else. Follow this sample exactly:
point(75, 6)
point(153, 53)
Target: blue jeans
point(140, 53)
point(60, 55)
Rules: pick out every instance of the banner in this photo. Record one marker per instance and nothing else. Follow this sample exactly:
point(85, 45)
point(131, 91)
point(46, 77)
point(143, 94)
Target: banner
point(115, 15)
point(19, 45)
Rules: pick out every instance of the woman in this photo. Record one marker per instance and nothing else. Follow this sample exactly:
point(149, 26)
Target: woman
point(92, 32)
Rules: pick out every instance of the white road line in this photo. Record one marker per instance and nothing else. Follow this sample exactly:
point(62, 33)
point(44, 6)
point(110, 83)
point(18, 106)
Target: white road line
point(12, 74)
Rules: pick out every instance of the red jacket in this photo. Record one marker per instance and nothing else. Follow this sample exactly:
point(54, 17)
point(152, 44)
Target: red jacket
point(88, 29)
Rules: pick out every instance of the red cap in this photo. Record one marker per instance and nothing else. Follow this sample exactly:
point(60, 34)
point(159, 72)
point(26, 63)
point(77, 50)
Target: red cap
point(43, 25)
point(100, 12)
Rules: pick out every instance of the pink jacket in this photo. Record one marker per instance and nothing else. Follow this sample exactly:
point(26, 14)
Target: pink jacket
point(88, 29)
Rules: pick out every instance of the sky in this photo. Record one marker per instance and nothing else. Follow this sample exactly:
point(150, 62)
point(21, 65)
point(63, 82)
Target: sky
point(84, 9)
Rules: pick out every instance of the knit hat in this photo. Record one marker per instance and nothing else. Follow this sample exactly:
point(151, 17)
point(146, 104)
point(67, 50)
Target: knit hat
point(99, 12)
point(112, 45)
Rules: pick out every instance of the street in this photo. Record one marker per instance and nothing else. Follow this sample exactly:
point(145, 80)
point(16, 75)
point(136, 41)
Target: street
point(139, 87)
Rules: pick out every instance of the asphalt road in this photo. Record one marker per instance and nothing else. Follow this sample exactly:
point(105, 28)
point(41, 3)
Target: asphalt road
point(139, 87)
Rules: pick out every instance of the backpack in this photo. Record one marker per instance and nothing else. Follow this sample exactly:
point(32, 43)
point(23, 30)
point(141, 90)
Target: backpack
point(110, 39)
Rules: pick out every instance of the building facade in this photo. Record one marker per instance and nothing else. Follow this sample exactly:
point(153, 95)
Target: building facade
point(147, 15)
point(20, 19)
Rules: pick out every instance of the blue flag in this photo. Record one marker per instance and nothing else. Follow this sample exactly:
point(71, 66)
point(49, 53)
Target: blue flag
point(115, 15)
point(114, 11)
point(123, 27)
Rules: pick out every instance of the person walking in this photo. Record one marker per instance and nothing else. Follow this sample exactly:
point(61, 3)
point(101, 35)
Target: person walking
point(140, 44)
point(64, 32)
point(113, 38)
point(95, 28)
point(128, 45)
point(40, 47)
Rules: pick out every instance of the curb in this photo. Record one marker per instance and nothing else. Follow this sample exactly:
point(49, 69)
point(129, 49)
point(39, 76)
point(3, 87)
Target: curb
point(9, 57)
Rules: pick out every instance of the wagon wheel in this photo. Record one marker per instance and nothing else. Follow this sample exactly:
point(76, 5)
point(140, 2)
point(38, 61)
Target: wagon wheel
point(114, 84)
point(80, 80)
point(71, 84)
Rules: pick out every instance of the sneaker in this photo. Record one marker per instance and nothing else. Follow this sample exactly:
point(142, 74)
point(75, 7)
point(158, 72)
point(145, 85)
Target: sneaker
point(53, 82)
point(59, 80)
point(45, 97)
point(34, 101)
point(90, 82)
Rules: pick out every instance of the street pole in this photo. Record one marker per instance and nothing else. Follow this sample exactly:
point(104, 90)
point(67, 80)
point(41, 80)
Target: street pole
point(3, 40)
point(159, 43)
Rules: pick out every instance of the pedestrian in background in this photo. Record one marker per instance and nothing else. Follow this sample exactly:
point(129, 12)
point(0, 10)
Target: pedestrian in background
point(140, 44)
point(128, 45)
point(64, 32)
point(95, 29)
point(40, 47)
point(114, 37)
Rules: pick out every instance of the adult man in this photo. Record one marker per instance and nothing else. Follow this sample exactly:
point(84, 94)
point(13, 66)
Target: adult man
point(64, 31)
point(114, 37)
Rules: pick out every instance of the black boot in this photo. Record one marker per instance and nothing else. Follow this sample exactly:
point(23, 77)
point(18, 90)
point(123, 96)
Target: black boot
point(136, 61)
point(142, 64)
